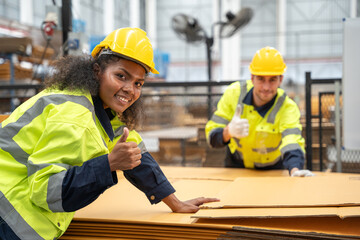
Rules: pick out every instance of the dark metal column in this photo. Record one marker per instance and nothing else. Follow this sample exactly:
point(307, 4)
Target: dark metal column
point(320, 134)
point(308, 127)
point(209, 42)
point(66, 19)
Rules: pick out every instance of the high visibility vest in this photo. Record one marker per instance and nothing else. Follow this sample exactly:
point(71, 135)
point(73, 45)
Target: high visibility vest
point(46, 135)
point(269, 136)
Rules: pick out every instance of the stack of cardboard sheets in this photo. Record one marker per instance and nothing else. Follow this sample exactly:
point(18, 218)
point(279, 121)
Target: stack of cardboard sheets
point(254, 205)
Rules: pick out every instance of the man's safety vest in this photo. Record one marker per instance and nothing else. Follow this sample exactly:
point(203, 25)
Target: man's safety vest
point(269, 136)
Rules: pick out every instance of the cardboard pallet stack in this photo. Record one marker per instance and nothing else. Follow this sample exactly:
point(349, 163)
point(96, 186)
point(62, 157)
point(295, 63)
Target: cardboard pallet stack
point(254, 205)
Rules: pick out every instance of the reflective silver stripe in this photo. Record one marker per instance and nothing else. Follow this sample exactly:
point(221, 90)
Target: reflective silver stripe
point(9, 145)
point(290, 147)
point(119, 131)
point(267, 164)
point(278, 104)
point(243, 92)
point(142, 147)
point(33, 168)
point(10, 130)
point(238, 142)
point(54, 184)
point(20, 227)
point(289, 131)
point(218, 119)
point(54, 191)
point(266, 150)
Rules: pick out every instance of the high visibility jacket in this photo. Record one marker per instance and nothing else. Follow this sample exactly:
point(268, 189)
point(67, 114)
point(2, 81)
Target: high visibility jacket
point(270, 137)
point(41, 139)
point(53, 152)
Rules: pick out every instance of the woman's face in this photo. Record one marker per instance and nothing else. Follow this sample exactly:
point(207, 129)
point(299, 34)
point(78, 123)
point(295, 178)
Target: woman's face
point(120, 84)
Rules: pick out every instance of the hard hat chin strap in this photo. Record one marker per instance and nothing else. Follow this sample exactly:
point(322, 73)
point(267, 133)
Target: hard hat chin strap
point(108, 51)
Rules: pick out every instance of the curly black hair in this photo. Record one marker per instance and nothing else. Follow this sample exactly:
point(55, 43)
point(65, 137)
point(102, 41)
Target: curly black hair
point(77, 73)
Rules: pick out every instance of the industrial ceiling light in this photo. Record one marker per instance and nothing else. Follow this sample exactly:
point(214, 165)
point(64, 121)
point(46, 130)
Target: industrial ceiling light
point(187, 28)
point(235, 22)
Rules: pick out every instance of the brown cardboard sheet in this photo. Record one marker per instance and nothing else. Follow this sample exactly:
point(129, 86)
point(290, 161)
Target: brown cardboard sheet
point(146, 230)
point(195, 229)
point(336, 190)
point(307, 225)
point(3, 117)
point(72, 237)
point(224, 213)
point(127, 237)
point(145, 235)
point(171, 234)
point(134, 226)
point(241, 233)
point(123, 212)
point(124, 202)
point(229, 174)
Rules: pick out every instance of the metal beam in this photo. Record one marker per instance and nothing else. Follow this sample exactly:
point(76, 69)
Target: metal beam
point(66, 23)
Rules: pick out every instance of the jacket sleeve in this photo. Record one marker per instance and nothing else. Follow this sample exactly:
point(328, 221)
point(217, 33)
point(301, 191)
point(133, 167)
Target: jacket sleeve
point(58, 166)
point(222, 116)
point(149, 178)
point(293, 159)
point(216, 139)
point(292, 145)
point(83, 184)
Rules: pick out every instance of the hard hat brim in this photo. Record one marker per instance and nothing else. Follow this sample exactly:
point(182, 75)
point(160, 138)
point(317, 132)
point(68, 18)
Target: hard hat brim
point(100, 51)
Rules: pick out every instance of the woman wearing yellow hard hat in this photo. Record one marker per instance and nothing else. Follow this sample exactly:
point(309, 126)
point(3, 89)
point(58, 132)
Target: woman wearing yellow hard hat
point(257, 123)
point(60, 149)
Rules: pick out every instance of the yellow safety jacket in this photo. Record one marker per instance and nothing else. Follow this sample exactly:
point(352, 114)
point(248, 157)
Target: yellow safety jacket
point(270, 137)
point(53, 161)
point(33, 162)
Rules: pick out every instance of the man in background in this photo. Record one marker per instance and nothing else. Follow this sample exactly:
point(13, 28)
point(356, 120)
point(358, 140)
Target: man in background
point(257, 122)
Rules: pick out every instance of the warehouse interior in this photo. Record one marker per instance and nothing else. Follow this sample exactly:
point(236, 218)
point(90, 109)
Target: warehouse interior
point(197, 59)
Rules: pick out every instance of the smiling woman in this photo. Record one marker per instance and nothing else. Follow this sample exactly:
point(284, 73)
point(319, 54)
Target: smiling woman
point(60, 149)
point(121, 84)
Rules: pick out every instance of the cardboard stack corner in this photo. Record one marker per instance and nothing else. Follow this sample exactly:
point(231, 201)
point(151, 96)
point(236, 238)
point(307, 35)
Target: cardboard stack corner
point(254, 205)
point(3, 117)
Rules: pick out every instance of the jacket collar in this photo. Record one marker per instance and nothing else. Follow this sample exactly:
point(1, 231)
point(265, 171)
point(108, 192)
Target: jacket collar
point(248, 100)
point(104, 116)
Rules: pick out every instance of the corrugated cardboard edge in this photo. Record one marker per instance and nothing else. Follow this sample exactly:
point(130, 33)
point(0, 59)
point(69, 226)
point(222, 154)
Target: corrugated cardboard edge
point(341, 212)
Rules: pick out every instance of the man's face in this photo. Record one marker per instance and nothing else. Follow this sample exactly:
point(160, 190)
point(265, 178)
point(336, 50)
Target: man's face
point(120, 84)
point(265, 88)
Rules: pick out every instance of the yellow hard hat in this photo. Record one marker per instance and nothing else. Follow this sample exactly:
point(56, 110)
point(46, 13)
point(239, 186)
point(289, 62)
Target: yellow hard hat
point(130, 43)
point(267, 62)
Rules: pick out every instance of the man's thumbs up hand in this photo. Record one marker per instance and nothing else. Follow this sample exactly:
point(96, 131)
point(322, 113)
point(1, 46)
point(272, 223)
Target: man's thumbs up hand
point(238, 110)
point(238, 127)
